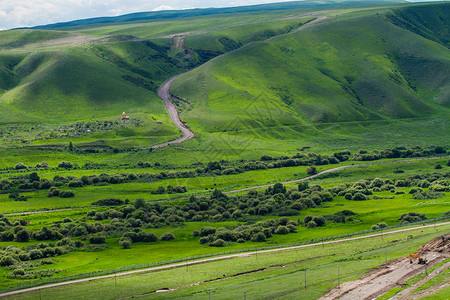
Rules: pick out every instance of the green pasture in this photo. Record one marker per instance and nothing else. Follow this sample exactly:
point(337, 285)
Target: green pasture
point(199, 186)
point(277, 274)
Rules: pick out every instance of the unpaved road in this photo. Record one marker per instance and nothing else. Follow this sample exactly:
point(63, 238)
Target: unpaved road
point(164, 93)
point(206, 260)
point(394, 274)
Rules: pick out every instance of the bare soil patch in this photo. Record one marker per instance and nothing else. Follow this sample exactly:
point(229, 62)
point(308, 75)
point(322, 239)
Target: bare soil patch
point(394, 274)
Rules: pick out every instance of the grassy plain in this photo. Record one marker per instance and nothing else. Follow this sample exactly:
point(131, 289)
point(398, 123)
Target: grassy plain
point(360, 78)
point(276, 275)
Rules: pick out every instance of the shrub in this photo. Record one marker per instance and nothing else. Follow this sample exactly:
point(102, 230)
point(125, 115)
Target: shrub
point(359, 197)
point(97, 239)
point(65, 164)
point(53, 192)
point(20, 166)
point(218, 243)
point(6, 236)
point(125, 242)
point(108, 202)
point(319, 220)
point(311, 224)
point(35, 254)
point(412, 217)
point(7, 261)
point(75, 183)
point(207, 231)
point(282, 230)
point(23, 236)
point(423, 195)
point(168, 236)
point(66, 194)
point(311, 170)
point(259, 237)
point(150, 237)
point(204, 240)
point(303, 185)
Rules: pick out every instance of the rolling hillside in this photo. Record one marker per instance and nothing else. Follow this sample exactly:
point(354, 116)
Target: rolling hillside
point(300, 72)
point(364, 66)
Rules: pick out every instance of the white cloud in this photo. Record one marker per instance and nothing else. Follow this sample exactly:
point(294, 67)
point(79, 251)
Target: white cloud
point(163, 7)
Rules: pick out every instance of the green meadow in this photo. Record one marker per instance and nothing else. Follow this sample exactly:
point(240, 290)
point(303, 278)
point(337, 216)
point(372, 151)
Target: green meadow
point(273, 93)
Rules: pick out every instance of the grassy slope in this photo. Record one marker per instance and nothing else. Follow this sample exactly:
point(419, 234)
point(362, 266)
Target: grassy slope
point(355, 68)
point(296, 88)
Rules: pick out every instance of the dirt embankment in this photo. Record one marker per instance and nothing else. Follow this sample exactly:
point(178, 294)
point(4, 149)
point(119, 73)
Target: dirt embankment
point(394, 274)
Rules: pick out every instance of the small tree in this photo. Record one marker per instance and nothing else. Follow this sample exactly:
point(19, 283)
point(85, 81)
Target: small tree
point(303, 185)
point(259, 237)
point(23, 236)
point(139, 203)
point(311, 224)
point(168, 236)
point(125, 242)
point(218, 243)
point(20, 166)
point(97, 239)
point(311, 170)
point(282, 230)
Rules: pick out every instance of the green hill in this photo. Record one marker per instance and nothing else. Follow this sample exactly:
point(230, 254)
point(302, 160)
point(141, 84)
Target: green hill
point(302, 73)
point(353, 67)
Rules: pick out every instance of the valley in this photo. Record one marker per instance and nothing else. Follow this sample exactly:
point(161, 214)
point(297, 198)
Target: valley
point(286, 150)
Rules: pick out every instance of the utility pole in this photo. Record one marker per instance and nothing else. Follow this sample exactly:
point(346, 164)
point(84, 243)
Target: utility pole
point(339, 280)
point(209, 296)
point(305, 278)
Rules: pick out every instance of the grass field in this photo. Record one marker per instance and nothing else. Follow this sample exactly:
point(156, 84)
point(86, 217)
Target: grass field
point(275, 80)
point(269, 275)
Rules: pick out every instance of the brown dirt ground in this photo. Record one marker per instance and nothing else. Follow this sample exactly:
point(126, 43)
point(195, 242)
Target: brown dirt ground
point(394, 274)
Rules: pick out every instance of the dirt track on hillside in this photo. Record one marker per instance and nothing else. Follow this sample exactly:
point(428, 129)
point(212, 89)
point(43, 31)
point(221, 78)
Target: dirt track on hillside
point(206, 260)
point(164, 93)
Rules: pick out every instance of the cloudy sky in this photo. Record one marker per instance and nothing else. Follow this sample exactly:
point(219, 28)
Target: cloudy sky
point(22, 13)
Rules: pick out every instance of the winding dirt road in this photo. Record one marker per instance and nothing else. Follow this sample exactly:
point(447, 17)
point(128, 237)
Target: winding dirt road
point(206, 260)
point(164, 93)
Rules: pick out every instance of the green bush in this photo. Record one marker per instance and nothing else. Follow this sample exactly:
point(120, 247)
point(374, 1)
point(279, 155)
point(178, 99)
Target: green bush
point(218, 243)
point(168, 236)
point(259, 237)
point(282, 230)
point(125, 242)
point(108, 202)
point(66, 194)
point(97, 239)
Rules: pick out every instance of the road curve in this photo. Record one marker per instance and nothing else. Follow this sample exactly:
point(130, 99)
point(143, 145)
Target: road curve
point(164, 94)
point(206, 260)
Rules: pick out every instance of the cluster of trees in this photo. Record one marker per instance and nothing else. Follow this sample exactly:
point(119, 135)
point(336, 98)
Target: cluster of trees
point(15, 256)
point(178, 189)
point(319, 221)
point(257, 232)
point(399, 152)
point(360, 190)
point(412, 217)
point(34, 182)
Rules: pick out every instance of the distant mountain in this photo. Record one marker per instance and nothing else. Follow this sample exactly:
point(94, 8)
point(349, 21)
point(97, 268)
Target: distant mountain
point(172, 14)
